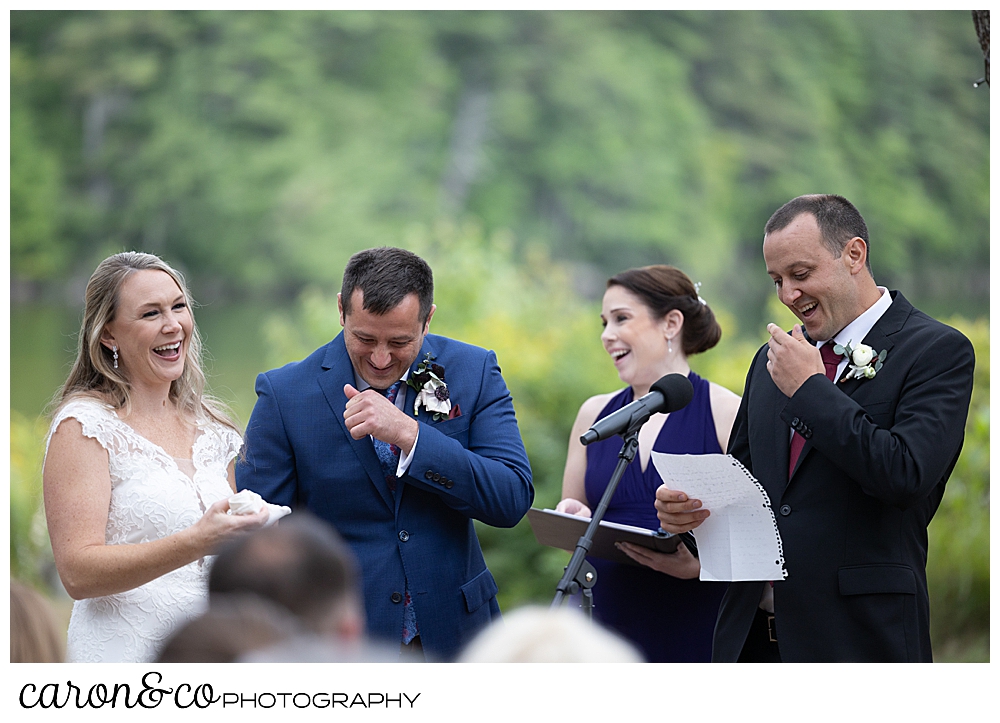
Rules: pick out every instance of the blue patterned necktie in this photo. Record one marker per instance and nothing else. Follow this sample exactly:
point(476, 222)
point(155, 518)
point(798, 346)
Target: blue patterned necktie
point(388, 456)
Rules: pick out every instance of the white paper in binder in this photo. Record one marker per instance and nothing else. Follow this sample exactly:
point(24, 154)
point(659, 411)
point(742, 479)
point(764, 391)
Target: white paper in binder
point(739, 540)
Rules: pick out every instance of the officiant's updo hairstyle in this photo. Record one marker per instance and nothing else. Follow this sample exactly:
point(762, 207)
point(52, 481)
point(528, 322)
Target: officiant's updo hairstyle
point(665, 288)
point(94, 373)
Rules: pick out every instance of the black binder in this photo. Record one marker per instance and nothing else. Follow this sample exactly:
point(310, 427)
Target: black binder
point(560, 530)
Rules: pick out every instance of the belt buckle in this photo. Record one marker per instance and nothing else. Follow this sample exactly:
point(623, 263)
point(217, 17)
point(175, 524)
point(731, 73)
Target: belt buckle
point(772, 636)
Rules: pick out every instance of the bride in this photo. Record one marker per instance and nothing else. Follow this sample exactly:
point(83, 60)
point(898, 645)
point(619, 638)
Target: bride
point(138, 466)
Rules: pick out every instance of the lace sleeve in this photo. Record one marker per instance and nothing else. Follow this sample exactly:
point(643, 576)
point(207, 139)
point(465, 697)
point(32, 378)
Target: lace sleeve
point(98, 421)
point(226, 444)
point(233, 443)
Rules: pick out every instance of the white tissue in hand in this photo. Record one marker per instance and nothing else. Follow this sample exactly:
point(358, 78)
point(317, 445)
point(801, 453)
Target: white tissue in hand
point(245, 502)
point(248, 502)
point(275, 513)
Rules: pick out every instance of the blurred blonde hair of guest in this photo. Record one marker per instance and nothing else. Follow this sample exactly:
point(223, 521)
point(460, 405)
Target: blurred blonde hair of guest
point(35, 633)
point(541, 635)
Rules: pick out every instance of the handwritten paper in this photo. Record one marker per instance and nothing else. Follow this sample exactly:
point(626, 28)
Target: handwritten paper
point(739, 540)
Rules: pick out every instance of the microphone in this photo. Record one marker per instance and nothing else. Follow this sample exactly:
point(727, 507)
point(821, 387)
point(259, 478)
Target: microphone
point(668, 394)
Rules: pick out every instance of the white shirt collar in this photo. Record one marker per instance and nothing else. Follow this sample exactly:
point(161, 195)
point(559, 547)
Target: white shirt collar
point(855, 332)
point(361, 385)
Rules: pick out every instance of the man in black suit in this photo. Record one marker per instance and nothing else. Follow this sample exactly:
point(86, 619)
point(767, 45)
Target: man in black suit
point(853, 450)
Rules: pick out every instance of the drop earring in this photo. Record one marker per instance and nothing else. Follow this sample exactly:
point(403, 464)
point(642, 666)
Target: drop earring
point(670, 347)
point(114, 350)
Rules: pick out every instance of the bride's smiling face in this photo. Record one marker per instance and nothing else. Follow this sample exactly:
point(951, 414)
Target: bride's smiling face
point(152, 329)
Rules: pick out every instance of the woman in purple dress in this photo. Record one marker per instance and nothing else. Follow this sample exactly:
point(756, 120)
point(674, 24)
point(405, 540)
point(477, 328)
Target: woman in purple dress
point(653, 320)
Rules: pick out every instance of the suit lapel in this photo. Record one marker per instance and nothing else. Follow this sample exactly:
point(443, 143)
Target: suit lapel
point(421, 416)
point(411, 393)
point(338, 371)
point(771, 400)
point(878, 339)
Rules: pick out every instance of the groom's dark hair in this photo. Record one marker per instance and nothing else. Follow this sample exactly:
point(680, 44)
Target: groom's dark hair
point(386, 275)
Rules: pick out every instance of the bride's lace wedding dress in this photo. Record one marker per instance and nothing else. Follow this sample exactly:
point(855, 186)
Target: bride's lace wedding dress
point(152, 495)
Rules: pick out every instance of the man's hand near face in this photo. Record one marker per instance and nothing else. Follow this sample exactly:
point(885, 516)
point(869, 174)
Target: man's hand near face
point(791, 359)
point(369, 412)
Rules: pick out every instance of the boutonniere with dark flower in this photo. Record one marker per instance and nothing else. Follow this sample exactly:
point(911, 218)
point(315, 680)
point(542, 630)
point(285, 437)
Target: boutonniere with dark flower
point(432, 392)
point(861, 359)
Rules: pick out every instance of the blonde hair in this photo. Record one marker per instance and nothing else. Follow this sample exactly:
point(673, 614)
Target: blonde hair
point(35, 633)
point(94, 374)
point(534, 634)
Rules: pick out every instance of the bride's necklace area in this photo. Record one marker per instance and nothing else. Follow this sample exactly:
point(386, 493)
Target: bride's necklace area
point(170, 431)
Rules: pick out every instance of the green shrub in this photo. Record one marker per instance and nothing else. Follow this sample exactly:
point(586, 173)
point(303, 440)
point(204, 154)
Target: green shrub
point(30, 552)
point(958, 561)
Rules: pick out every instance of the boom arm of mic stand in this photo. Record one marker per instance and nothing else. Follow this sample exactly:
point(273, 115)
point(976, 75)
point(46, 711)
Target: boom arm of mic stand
point(579, 573)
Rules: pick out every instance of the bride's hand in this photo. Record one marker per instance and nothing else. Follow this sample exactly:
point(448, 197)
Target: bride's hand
point(680, 563)
point(573, 507)
point(217, 525)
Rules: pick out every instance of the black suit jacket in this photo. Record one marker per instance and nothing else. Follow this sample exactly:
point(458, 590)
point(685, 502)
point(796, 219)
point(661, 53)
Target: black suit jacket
point(853, 517)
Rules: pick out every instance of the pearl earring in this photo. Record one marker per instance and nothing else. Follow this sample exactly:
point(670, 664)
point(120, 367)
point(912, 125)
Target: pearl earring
point(670, 347)
point(114, 350)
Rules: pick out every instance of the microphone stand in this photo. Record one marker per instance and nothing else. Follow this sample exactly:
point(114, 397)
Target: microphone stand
point(580, 574)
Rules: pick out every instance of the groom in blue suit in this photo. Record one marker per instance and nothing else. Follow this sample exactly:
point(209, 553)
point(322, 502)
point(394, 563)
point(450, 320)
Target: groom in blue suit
point(400, 439)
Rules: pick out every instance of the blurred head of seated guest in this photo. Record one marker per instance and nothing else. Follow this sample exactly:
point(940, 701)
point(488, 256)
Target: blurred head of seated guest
point(541, 635)
point(35, 633)
point(232, 627)
point(308, 647)
point(303, 565)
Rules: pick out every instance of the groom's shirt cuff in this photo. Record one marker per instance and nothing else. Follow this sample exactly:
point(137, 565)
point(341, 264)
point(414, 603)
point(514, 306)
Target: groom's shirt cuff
point(404, 459)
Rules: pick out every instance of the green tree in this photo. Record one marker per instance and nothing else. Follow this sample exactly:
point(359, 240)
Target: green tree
point(247, 146)
point(36, 248)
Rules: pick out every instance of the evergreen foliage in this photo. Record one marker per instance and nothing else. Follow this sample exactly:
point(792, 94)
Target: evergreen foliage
point(247, 145)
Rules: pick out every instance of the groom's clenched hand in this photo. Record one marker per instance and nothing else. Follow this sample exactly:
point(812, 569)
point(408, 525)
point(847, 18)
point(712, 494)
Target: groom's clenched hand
point(368, 412)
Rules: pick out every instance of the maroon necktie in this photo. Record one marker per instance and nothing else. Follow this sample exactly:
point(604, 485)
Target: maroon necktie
point(831, 360)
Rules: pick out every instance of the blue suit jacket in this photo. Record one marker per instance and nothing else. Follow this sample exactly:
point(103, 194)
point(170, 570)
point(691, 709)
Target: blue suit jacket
point(299, 453)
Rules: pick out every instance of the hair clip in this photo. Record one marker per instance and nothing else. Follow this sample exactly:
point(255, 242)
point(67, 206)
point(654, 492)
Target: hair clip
point(697, 290)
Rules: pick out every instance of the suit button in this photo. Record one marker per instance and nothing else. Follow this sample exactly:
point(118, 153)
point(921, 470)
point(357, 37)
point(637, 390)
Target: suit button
point(436, 477)
point(785, 510)
point(396, 598)
point(807, 433)
point(448, 484)
point(404, 535)
point(428, 475)
point(795, 422)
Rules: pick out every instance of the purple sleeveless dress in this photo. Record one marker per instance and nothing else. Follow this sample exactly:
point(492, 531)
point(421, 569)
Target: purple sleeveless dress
point(671, 620)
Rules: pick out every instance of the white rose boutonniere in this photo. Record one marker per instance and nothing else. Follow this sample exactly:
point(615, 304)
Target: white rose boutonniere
point(432, 392)
point(862, 360)
point(862, 355)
